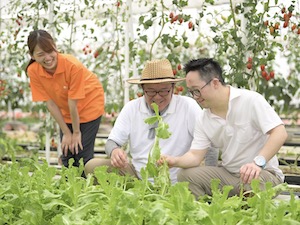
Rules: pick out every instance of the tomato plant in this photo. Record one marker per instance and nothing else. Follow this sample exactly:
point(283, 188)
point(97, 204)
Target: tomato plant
point(98, 34)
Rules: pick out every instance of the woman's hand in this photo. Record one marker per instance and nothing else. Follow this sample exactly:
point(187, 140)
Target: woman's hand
point(76, 142)
point(66, 143)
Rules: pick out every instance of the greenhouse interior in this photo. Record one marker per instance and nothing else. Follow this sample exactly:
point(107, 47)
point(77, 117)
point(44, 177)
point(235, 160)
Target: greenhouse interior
point(145, 83)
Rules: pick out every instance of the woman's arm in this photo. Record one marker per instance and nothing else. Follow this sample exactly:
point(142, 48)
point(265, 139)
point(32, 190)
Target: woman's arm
point(76, 137)
point(67, 135)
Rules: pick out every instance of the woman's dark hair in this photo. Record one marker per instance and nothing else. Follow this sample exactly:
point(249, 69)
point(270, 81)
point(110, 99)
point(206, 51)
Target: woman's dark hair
point(207, 69)
point(41, 38)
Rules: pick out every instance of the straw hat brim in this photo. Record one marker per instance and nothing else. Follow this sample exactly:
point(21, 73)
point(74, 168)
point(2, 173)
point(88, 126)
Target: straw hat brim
point(154, 81)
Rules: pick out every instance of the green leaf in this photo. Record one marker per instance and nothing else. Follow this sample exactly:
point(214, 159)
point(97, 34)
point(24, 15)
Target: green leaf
point(144, 38)
point(148, 24)
point(151, 120)
point(155, 108)
point(141, 19)
point(162, 131)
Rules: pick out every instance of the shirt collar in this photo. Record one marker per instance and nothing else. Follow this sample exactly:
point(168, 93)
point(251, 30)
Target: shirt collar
point(60, 64)
point(234, 93)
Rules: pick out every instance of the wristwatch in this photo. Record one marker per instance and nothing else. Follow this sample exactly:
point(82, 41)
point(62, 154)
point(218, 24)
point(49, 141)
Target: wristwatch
point(260, 161)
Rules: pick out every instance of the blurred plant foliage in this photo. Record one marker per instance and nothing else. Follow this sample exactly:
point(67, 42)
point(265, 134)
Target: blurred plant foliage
point(245, 37)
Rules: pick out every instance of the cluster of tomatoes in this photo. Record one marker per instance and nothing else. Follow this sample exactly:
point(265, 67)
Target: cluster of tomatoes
point(286, 18)
point(265, 74)
point(177, 69)
point(178, 89)
point(180, 19)
point(19, 22)
point(87, 50)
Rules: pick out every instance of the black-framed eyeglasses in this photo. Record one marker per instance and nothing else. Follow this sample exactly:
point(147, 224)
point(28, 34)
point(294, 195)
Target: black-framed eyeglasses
point(162, 93)
point(197, 92)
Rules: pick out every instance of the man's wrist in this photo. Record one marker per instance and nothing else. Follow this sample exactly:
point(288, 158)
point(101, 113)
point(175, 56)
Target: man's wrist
point(110, 146)
point(260, 161)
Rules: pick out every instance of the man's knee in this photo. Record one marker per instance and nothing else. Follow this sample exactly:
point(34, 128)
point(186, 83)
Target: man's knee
point(91, 165)
point(182, 175)
point(188, 175)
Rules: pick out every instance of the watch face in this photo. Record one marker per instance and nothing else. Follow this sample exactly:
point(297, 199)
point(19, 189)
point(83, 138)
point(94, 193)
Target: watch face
point(260, 161)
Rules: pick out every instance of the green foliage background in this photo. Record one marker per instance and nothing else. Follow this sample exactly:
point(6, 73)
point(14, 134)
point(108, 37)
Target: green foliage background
point(84, 28)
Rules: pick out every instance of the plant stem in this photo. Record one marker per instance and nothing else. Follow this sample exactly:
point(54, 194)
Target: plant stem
point(160, 32)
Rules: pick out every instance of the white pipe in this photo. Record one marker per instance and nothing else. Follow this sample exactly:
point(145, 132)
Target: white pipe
point(134, 69)
point(10, 111)
point(47, 133)
point(244, 34)
point(57, 139)
point(47, 139)
point(51, 17)
point(127, 53)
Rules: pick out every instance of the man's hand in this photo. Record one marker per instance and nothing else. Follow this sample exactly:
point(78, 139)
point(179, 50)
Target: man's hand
point(119, 158)
point(249, 172)
point(189, 159)
point(170, 160)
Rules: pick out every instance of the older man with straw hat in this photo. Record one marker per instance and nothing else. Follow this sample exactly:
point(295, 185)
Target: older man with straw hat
point(180, 112)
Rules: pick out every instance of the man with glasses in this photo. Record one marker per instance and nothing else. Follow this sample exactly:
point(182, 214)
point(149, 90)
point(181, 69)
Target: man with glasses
point(241, 123)
point(179, 112)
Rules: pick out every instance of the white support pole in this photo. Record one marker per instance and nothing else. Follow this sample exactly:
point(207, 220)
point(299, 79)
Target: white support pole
point(47, 139)
point(57, 139)
point(131, 32)
point(51, 17)
point(244, 34)
point(128, 37)
point(127, 53)
point(47, 132)
point(0, 30)
point(10, 111)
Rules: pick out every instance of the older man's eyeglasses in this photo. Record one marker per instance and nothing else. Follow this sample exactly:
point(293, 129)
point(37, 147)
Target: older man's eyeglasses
point(162, 93)
point(197, 92)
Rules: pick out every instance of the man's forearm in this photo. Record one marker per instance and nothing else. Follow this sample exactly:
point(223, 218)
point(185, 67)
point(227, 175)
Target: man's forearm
point(110, 146)
point(276, 139)
point(190, 159)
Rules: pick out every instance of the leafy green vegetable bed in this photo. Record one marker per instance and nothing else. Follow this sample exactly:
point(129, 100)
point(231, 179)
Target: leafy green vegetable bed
point(32, 193)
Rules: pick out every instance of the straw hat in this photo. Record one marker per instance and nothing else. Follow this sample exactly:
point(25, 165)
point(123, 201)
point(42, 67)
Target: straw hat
point(156, 71)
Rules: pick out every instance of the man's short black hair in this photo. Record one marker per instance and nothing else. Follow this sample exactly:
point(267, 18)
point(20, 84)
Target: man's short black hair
point(206, 67)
